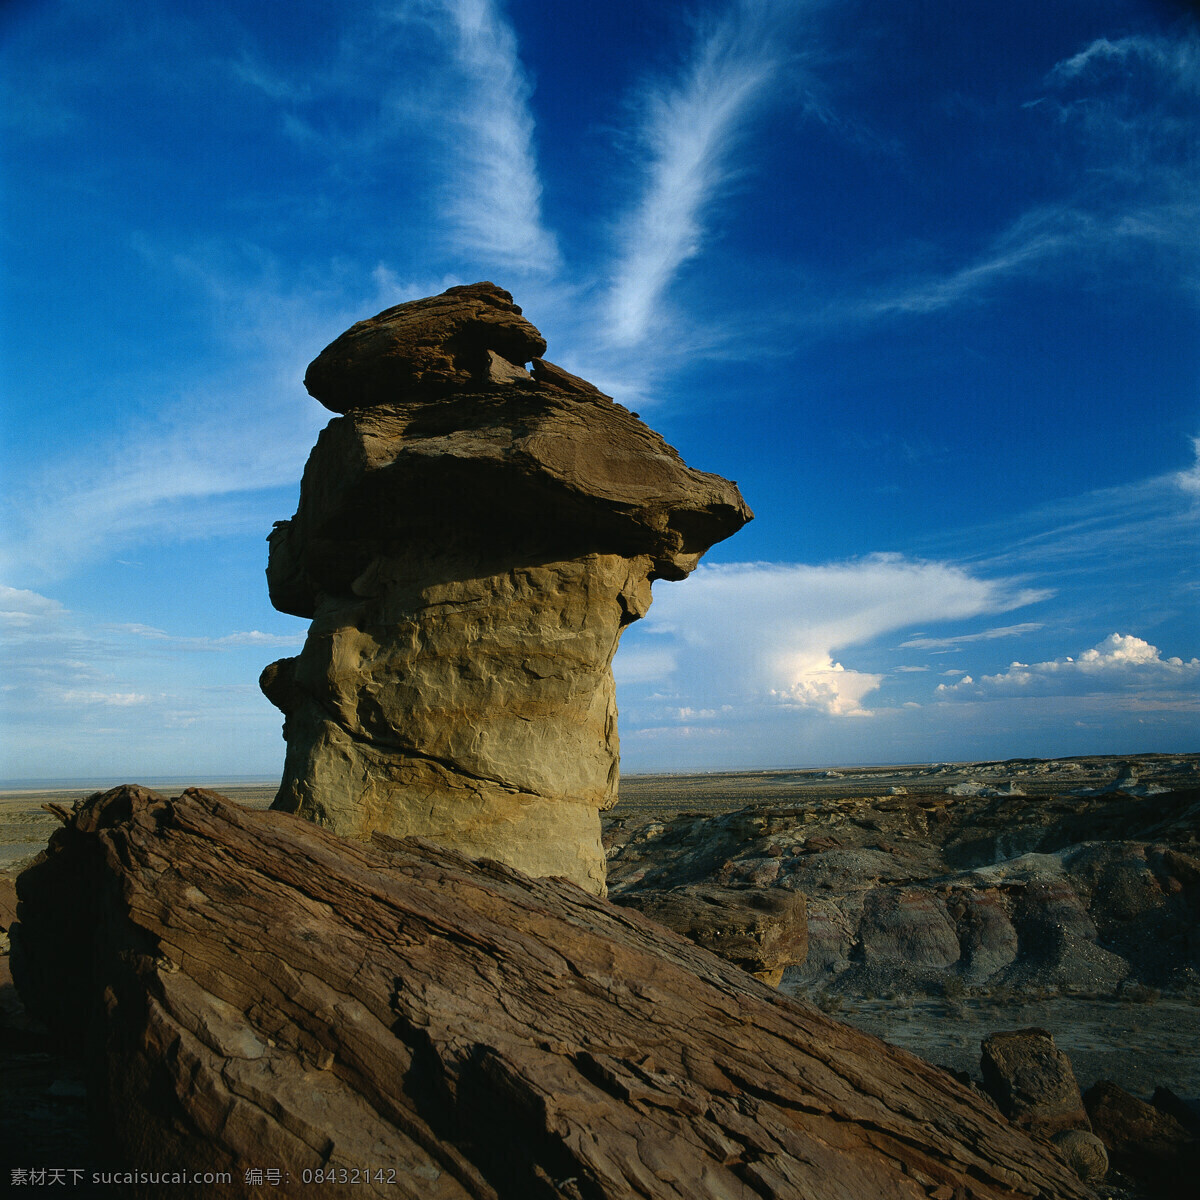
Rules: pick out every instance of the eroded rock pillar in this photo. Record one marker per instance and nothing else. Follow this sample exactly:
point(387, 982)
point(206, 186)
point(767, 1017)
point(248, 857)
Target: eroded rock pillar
point(472, 538)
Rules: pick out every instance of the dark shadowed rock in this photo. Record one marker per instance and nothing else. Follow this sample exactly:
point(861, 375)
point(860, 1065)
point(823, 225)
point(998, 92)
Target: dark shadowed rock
point(1147, 1143)
point(251, 989)
point(1185, 1111)
point(1032, 1081)
point(8, 903)
point(470, 543)
point(761, 930)
point(425, 348)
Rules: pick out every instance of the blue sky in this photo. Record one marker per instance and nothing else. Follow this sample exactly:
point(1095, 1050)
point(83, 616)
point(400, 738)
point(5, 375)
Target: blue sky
point(924, 278)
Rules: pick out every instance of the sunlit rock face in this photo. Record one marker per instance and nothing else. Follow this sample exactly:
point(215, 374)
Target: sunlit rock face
point(472, 538)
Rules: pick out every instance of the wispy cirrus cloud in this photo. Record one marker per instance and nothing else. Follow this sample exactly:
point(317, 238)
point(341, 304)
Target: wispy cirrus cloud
point(1188, 480)
point(691, 130)
point(204, 463)
point(197, 470)
point(201, 465)
point(1032, 242)
point(1141, 522)
point(1175, 60)
point(229, 641)
point(441, 84)
point(21, 609)
point(495, 195)
point(1123, 112)
point(1044, 242)
point(951, 643)
point(121, 692)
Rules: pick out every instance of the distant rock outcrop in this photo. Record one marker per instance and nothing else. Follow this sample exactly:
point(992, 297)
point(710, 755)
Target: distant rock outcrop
point(908, 892)
point(470, 542)
point(251, 991)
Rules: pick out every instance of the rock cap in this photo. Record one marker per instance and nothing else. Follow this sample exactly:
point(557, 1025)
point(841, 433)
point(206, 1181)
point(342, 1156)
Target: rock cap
point(424, 348)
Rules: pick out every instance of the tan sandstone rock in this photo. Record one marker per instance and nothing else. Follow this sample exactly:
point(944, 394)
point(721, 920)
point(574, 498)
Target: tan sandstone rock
point(470, 542)
point(426, 347)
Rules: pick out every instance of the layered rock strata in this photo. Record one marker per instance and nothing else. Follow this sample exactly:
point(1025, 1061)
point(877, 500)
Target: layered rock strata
point(391, 1019)
point(472, 538)
point(1093, 893)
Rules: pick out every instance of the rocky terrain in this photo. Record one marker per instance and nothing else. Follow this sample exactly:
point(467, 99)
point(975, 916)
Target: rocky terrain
point(1141, 1031)
point(944, 903)
point(946, 880)
point(245, 989)
point(472, 538)
point(346, 1006)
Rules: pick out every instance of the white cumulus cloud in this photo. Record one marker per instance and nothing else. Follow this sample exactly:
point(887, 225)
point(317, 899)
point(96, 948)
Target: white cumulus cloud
point(771, 634)
point(1120, 662)
point(825, 684)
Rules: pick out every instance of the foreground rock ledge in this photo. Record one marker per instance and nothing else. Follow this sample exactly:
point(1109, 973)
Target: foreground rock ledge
point(252, 990)
point(472, 539)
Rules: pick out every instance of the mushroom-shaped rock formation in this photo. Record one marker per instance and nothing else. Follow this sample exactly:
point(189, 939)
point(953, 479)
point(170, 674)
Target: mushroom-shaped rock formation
point(470, 542)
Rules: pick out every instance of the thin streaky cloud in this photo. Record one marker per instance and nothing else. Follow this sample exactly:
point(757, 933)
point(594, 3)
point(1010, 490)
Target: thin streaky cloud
point(1188, 481)
point(271, 84)
point(497, 207)
point(1044, 239)
point(205, 465)
point(1029, 243)
point(946, 643)
point(1137, 195)
point(250, 637)
point(202, 465)
point(1087, 532)
point(692, 129)
point(1175, 58)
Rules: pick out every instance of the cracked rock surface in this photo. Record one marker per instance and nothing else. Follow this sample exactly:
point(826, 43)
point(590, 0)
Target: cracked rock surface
point(247, 989)
point(471, 540)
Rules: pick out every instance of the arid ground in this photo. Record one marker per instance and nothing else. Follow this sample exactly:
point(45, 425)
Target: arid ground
point(1142, 1037)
